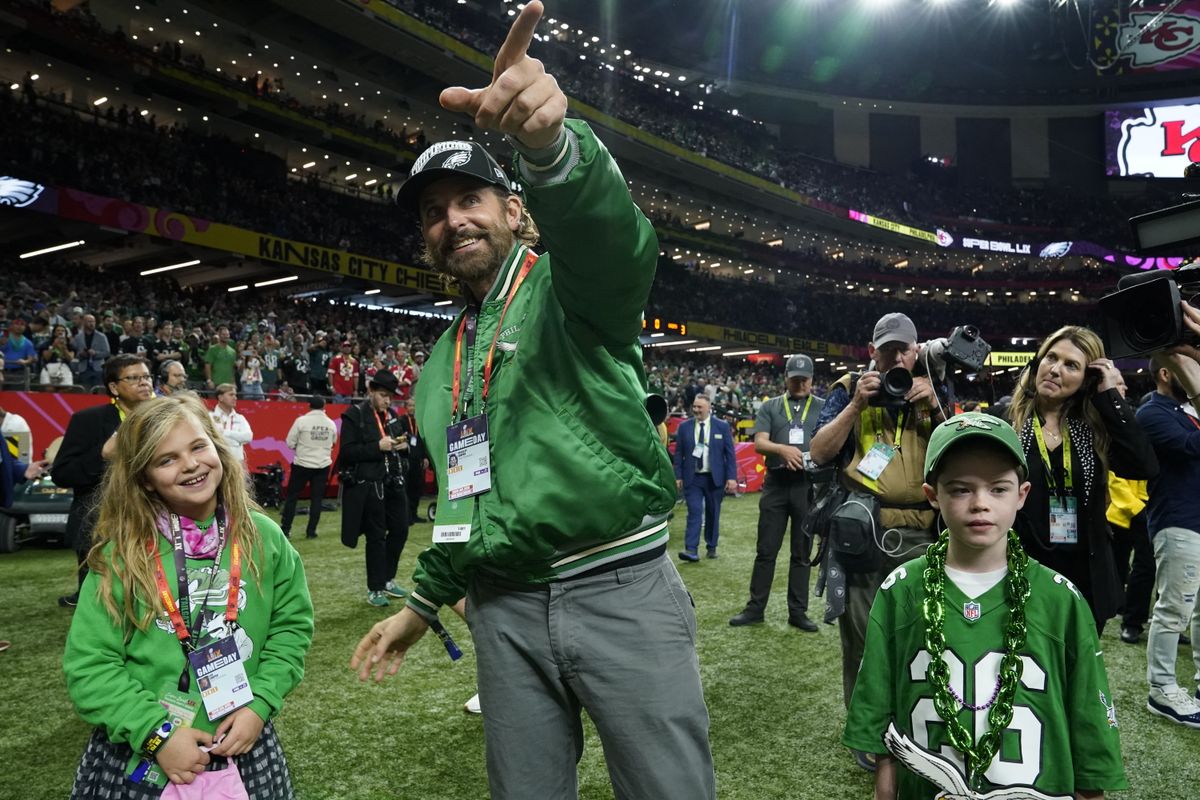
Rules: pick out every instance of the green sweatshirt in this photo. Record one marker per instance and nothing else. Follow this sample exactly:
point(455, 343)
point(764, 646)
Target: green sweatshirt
point(579, 475)
point(116, 675)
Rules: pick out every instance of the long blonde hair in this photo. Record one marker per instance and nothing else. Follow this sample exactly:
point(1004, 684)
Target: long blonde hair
point(129, 511)
point(1078, 405)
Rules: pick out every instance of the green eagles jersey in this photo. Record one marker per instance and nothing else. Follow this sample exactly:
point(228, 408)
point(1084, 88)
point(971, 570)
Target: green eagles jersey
point(1063, 735)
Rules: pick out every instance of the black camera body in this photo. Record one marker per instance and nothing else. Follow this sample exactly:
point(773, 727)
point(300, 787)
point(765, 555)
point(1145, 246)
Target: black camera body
point(1143, 315)
point(894, 385)
point(963, 347)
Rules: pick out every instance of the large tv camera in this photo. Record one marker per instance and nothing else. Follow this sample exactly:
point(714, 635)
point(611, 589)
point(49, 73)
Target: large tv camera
point(964, 347)
point(1143, 315)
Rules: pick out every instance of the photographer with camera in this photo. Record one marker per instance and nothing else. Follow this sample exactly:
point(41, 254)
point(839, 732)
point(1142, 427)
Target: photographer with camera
point(1075, 426)
point(374, 501)
point(875, 428)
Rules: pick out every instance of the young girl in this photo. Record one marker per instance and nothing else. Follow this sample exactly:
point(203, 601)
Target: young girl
point(158, 626)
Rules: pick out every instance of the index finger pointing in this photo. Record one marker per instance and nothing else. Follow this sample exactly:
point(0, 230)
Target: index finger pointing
point(516, 44)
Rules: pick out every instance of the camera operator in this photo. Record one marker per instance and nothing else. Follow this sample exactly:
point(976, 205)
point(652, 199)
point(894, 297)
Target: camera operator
point(374, 501)
point(1075, 426)
point(880, 452)
point(1169, 419)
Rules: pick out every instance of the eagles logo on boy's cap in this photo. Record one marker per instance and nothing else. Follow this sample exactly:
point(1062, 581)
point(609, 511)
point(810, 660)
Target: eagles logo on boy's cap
point(451, 158)
point(973, 423)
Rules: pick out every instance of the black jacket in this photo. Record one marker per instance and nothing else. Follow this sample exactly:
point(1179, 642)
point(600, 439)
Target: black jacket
point(1130, 455)
point(359, 456)
point(79, 465)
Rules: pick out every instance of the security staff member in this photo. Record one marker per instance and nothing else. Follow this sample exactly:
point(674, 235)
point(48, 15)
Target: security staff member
point(374, 501)
point(783, 429)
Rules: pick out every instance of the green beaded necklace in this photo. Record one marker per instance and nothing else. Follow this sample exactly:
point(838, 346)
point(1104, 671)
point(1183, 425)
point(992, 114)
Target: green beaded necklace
point(945, 702)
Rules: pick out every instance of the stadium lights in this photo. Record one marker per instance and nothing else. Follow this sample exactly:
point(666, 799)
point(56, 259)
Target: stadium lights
point(674, 343)
point(740, 353)
point(443, 302)
point(775, 243)
point(309, 165)
point(100, 101)
point(180, 265)
point(274, 281)
point(373, 291)
point(703, 349)
point(237, 288)
point(54, 249)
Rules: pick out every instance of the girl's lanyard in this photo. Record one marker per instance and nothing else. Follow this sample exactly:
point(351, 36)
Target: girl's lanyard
point(187, 630)
point(468, 326)
point(1066, 451)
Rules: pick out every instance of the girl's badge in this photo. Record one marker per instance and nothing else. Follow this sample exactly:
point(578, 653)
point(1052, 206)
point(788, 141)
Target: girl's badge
point(221, 677)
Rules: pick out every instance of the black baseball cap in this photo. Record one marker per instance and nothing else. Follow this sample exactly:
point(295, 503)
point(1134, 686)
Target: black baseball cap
point(445, 159)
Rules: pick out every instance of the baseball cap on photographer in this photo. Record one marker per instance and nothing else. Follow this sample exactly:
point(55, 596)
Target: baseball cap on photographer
point(973, 424)
point(799, 366)
point(445, 159)
point(894, 327)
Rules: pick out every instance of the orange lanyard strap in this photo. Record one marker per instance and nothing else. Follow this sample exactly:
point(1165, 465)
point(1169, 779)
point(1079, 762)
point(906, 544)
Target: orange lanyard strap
point(176, 610)
point(467, 325)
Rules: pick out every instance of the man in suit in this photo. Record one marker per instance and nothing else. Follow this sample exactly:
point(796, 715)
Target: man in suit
point(705, 469)
point(88, 445)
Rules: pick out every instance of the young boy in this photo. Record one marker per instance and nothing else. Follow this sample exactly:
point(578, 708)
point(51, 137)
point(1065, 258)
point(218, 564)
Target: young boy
point(982, 669)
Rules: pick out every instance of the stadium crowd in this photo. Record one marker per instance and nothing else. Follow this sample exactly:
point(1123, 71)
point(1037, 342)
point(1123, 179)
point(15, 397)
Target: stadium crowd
point(922, 201)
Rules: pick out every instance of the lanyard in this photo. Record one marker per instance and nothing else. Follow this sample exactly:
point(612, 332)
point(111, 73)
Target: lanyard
point(120, 411)
point(877, 428)
point(1066, 451)
point(183, 630)
point(379, 424)
point(468, 324)
point(787, 408)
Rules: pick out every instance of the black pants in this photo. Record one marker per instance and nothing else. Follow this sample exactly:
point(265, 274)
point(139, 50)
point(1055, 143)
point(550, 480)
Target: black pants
point(1138, 579)
point(315, 479)
point(385, 524)
point(81, 521)
point(785, 497)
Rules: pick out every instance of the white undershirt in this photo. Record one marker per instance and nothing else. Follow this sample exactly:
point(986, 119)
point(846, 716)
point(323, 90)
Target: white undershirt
point(974, 584)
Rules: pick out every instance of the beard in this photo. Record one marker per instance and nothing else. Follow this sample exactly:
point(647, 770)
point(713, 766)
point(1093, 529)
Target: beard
point(495, 242)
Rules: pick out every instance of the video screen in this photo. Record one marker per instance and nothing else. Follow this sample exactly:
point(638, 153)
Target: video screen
point(1158, 141)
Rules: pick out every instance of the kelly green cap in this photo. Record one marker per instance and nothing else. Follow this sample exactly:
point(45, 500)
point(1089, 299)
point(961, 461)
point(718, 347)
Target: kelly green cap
point(969, 424)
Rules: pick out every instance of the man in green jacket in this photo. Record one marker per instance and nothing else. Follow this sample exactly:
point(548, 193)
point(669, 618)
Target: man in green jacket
point(554, 489)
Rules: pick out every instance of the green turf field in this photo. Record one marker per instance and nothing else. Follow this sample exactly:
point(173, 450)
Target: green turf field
point(774, 693)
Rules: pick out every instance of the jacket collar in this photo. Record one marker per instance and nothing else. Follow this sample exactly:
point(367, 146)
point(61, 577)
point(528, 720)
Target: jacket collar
point(507, 273)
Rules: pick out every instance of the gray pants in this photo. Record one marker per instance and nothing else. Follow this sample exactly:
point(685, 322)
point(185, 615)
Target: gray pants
point(861, 588)
point(620, 645)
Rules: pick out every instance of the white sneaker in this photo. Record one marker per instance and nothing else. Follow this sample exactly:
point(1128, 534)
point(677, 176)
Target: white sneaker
point(1175, 704)
point(472, 705)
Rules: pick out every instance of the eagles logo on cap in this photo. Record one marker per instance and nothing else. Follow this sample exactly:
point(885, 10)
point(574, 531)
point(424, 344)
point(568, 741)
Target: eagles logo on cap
point(459, 158)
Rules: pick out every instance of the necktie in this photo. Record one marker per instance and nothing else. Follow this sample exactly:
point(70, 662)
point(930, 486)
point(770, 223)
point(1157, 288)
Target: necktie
point(700, 459)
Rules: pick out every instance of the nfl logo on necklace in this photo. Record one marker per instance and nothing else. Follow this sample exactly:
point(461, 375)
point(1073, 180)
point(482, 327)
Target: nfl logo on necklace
point(971, 610)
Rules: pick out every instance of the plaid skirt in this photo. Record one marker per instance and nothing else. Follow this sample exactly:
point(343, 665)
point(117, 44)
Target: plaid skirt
point(101, 773)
